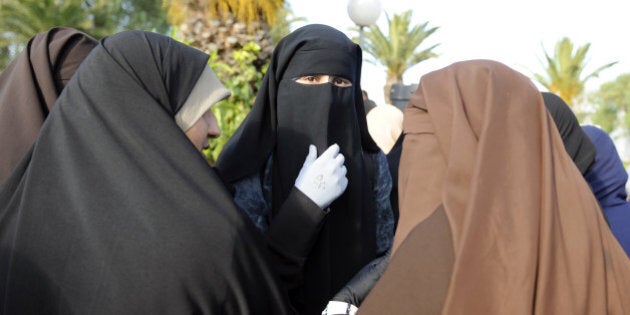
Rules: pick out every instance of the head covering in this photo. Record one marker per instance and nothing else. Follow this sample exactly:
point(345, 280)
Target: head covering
point(607, 178)
point(494, 216)
point(113, 210)
point(576, 143)
point(385, 125)
point(288, 116)
point(30, 85)
point(207, 91)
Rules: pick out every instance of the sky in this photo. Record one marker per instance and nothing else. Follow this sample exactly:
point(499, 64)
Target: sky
point(516, 33)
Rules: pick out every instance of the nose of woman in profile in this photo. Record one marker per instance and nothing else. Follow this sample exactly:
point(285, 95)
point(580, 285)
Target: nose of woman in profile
point(205, 128)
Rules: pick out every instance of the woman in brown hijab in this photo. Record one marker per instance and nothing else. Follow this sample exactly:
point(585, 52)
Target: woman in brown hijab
point(495, 217)
point(30, 85)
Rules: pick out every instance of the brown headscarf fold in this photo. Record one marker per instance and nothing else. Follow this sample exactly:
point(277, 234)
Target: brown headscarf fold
point(485, 176)
point(30, 85)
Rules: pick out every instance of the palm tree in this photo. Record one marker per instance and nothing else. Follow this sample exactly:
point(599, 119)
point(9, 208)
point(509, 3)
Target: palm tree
point(397, 51)
point(564, 71)
point(226, 26)
point(240, 37)
point(22, 19)
point(612, 105)
point(282, 26)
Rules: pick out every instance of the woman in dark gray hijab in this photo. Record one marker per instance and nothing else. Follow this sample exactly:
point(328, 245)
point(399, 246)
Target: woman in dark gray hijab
point(114, 211)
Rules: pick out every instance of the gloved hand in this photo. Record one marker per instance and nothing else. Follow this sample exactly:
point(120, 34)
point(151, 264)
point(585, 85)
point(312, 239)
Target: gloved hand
point(355, 291)
point(323, 179)
point(339, 308)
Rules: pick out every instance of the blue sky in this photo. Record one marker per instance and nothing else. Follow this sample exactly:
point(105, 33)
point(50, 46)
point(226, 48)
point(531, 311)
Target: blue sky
point(512, 32)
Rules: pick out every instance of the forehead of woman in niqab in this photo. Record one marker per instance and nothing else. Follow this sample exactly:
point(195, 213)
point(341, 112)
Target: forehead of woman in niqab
point(318, 49)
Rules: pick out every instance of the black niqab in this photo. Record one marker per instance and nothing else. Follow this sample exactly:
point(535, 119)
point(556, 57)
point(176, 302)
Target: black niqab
point(114, 211)
point(285, 119)
point(579, 147)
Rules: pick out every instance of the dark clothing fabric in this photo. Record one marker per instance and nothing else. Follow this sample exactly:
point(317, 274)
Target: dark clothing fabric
point(393, 160)
point(30, 85)
point(291, 233)
point(368, 105)
point(114, 211)
point(285, 119)
point(292, 236)
point(607, 178)
point(577, 144)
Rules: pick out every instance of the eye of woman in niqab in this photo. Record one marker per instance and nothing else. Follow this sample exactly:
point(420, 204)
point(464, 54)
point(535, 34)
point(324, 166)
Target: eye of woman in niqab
point(324, 78)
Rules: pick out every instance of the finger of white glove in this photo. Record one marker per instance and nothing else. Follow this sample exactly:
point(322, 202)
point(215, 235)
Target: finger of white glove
point(339, 159)
point(331, 152)
point(340, 172)
point(330, 160)
point(311, 156)
point(343, 184)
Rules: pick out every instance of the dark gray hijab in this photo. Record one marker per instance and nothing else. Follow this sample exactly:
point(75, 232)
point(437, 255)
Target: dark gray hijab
point(114, 211)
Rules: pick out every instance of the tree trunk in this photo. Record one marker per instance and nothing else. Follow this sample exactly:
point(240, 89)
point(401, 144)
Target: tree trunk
point(391, 80)
point(225, 36)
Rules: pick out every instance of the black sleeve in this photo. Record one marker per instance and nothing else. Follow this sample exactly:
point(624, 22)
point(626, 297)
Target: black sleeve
point(291, 235)
point(355, 291)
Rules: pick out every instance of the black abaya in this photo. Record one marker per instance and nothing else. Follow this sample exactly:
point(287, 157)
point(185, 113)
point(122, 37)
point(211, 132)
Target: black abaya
point(114, 211)
point(288, 116)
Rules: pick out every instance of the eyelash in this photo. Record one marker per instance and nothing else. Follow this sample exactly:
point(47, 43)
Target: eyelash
point(338, 81)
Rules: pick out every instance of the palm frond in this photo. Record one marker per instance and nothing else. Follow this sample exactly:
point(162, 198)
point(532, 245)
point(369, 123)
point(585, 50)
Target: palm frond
point(564, 70)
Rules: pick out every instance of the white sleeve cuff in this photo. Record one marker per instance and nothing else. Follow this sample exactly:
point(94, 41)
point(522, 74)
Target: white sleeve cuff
point(339, 308)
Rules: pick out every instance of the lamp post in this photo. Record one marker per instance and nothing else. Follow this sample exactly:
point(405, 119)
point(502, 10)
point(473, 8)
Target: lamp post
point(364, 13)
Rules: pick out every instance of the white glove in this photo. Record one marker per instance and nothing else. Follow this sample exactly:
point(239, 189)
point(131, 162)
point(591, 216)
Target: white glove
point(336, 308)
point(323, 179)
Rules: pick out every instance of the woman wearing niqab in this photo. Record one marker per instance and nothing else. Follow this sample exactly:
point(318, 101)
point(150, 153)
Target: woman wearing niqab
point(495, 217)
point(115, 211)
point(30, 85)
point(263, 158)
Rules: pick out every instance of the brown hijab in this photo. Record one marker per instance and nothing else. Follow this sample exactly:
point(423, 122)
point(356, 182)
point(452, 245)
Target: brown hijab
point(495, 218)
point(30, 85)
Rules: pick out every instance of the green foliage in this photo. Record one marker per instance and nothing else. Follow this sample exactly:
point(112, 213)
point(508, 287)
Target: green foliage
point(246, 11)
point(243, 80)
point(397, 50)
point(612, 104)
point(22, 19)
point(282, 27)
point(563, 71)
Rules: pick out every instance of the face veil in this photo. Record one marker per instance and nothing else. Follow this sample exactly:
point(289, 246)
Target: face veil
point(319, 114)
